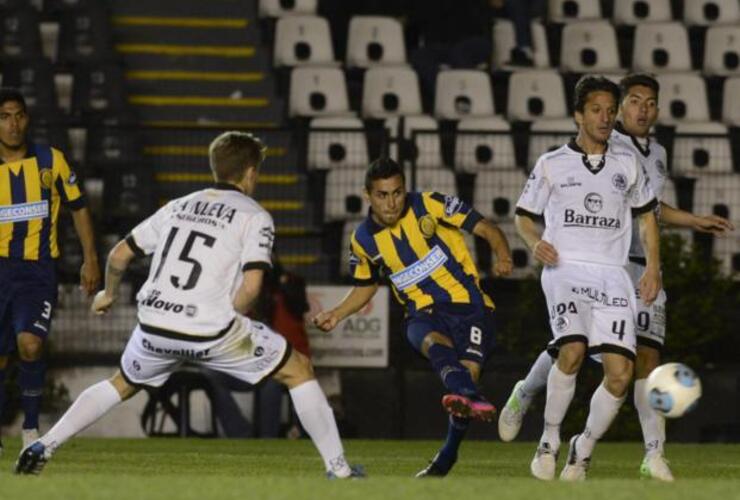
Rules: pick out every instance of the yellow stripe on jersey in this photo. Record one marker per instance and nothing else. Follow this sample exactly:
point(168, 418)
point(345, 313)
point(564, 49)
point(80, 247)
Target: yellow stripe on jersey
point(32, 181)
point(6, 228)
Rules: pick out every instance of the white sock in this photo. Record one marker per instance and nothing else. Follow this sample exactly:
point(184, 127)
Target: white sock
point(604, 408)
point(560, 390)
point(88, 408)
point(652, 423)
point(317, 418)
point(536, 379)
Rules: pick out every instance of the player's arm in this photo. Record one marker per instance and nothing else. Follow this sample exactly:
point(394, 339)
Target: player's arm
point(707, 224)
point(497, 241)
point(356, 299)
point(650, 281)
point(90, 271)
point(249, 291)
point(529, 232)
point(115, 267)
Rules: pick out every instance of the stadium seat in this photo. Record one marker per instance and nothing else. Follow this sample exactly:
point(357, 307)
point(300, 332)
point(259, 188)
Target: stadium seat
point(32, 79)
point(375, 40)
point(564, 11)
point(525, 266)
point(50, 131)
point(433, 179)
point(349, 227)
point(726, 250)
point(683, 97)
point(632, 12)
point(344, 199)
point(504, 40)
point(85, 35)
point(661, 47)
point(390, 91)
point(57, 6)
point(536, 94)
point(731, 103)
point(98, 89)
point(700, 149)
point(718, 194)
point(20, 37)
point(128, 192)
point(112, 146)
point(496, 193)
point(461, 93)
point(302, 40)
point(336, 142)
point(669, 197)
point(548, 135)
point(709, 12)
point(484, 144)
point(421, 130)
point(589, 46)
point(280, 8)
point(722, 51)
point(316, 91)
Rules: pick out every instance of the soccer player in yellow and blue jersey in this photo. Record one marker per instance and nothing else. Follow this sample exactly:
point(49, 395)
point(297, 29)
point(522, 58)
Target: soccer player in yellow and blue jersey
point(34, 181)
point(414, 240)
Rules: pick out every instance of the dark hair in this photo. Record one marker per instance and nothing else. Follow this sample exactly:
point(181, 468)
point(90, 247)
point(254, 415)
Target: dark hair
point(644, 79)
point(232, 153)
point(382, 168)
point(12, 94)
point(588, 84)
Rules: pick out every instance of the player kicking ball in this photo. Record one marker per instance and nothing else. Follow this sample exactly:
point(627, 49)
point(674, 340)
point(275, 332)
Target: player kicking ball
point(209, 253)
point(638, 113)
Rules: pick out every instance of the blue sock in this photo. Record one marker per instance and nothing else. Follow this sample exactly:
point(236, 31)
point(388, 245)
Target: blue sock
point(31, 382)
point(456, 430)
point(454, 375)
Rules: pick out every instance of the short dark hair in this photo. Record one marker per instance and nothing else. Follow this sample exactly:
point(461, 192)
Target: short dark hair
point(232, 153)
point(12, 94)
point(382, 168)
point(588, 84)
point(644, 79)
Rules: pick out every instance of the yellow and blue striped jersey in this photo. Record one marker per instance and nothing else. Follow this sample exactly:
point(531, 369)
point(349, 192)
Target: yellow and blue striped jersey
point(31, 191)
point(424, 254)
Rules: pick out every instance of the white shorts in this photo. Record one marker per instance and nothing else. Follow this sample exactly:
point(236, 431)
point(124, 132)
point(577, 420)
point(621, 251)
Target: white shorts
point(591, 303)
point(650, 319)
point(248, 351)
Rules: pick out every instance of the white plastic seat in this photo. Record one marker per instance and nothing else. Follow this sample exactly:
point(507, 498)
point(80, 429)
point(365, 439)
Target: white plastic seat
point(525, 265)
point(318, 91)
point(536, 94)
point(632, 12)
point(276, 8)
point(707, 152)
point(496, 193)
point(564, 11)
point(484, 144)
point(461, 93)
point(345, 147)
point(441, 180)
point(661, 47)
point(504, 40)
point(548, 135)
point(722, 51)
point(720, 195)
point(589, 46)
point(426, 142)
point(726, 249)
point(390, 91)
point(344, 194)
point(709, 12)
point(349, 227)
point(375, 40)
point(301, 40)
point(731, 103)
point(683, 98)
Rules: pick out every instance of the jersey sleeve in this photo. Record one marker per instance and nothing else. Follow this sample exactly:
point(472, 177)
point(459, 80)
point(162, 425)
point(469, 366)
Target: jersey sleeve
point(144, 238)
point(361, 268)
point(536, 192)
point(257, 243)
point(66, 182)
point(642, 198)
point(451, 210)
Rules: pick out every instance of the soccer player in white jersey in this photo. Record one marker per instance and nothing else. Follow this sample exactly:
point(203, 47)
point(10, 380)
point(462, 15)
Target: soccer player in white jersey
point(209, 253)
point(638, 113)
point(588, 192)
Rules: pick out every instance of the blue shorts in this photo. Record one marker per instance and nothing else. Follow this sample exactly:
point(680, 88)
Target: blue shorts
point(28, 295)
point(470, 327)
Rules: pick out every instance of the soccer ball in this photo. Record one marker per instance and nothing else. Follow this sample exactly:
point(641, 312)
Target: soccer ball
point(673, 389)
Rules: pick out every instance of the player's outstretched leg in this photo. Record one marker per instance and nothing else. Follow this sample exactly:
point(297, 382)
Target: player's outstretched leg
point(445, 459)
point(512, 415)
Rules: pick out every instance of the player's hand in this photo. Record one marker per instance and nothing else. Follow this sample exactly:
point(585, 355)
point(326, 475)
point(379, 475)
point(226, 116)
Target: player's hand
point(650, 284)
point(503, 266)
point(102, 302)
point(545, 253)
point(326, 320)
point(89, 276)
point(713, 224)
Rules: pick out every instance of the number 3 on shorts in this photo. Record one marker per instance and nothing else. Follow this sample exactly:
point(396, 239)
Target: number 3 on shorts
point(476, 335)
point(46, 313)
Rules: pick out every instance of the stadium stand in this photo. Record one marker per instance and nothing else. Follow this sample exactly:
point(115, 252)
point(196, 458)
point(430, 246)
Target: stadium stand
point(375, 40)
point(462, 93)
point(536, 94)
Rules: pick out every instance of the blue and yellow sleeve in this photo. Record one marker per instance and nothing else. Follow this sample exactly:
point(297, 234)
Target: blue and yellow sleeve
point(66, 182)
point(361, 268)
point(451, 210)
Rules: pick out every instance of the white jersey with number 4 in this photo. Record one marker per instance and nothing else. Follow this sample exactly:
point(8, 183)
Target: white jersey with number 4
point(588, 208)
point(201, 245)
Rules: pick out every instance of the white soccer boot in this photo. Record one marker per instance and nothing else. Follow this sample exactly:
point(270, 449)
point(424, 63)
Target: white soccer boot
point(543, 463)
point(655, 466)
point(29, 436)
point(575, 467)
point(512, 414)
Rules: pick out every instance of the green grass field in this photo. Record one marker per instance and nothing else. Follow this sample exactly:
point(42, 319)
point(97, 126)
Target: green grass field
point(257, 469)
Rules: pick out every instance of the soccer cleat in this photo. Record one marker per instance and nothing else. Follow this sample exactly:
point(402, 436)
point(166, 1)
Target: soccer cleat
point(460, 406)
point(434, 469)
point(29, 436)
point(543, 463)
point(512, 414)
point(32, 459)
point(356, 472)
point(575, 467)
point(655, 466)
